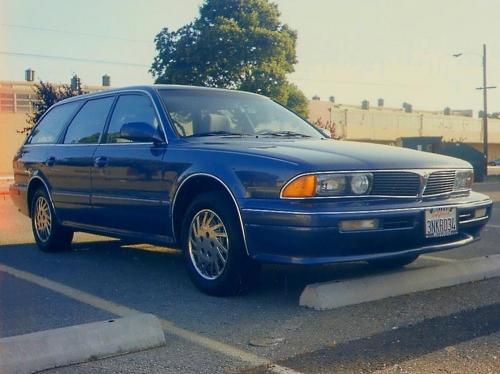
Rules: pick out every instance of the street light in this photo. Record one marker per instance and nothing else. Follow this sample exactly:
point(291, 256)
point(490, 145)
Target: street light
point(485, 89)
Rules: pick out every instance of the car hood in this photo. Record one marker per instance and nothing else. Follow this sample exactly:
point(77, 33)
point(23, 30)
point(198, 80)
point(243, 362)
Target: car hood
point(326, 154)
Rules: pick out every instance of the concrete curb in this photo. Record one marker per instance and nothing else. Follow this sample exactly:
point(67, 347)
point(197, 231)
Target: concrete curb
point(331, 295)
point(75, 344)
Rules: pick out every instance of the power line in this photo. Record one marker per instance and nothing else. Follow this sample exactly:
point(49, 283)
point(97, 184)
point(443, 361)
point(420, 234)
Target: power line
point(86, 60)
point(58, 31)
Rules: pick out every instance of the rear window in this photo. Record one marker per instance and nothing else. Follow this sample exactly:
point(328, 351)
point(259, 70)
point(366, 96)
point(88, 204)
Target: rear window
point(50, 127)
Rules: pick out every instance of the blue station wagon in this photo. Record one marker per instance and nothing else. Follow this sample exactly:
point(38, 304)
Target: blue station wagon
point(234, 180)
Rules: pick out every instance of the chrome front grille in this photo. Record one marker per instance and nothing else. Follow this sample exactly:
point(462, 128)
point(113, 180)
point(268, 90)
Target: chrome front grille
point(408, 184)
point(440, 182)
point(395, 183)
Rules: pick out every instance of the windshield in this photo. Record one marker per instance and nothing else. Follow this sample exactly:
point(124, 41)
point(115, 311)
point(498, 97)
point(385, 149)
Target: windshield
point(223, 113)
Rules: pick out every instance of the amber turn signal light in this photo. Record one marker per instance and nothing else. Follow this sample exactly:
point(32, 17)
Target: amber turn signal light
point(304, 186)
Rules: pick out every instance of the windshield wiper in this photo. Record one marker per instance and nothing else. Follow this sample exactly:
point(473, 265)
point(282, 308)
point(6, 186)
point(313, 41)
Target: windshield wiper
point(284, 134)
point(219, 133)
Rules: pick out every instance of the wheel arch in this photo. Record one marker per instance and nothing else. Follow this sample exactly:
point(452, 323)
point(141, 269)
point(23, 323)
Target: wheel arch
point(192, 186)
point(34, 184)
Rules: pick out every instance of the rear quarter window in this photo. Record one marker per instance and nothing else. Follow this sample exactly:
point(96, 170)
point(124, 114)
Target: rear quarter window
point(48, 130)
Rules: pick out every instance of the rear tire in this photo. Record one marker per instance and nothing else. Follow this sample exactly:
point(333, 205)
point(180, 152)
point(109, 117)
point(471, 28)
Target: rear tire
point(49, 235)
point(213, 247)
point(393, 263)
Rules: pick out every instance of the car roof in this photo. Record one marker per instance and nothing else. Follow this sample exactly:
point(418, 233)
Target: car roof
point(152, 88)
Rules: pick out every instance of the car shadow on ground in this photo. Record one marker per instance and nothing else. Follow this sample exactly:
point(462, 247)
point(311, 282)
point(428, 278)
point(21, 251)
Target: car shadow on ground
point(150, 268)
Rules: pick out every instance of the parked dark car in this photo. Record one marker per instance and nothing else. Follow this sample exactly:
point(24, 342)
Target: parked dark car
point(234, 179)
point(494, 162)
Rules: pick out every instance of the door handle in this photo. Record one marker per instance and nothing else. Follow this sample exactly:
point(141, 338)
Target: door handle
point(100, 162)
point(50, 161)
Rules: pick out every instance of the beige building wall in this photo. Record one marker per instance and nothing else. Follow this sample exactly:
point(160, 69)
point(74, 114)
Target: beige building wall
point(386, 125)
point(10, 139)
point(15, 104)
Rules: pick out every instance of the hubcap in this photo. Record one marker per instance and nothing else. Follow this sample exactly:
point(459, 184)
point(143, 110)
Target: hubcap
point(43, 219)
point(208, 244)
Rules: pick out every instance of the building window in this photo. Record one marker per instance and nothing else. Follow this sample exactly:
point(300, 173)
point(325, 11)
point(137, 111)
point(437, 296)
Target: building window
point(23, 102)
point(7, 102)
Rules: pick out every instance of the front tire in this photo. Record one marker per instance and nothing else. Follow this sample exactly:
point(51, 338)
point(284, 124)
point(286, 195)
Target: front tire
point(213, 246)
point(49, 235)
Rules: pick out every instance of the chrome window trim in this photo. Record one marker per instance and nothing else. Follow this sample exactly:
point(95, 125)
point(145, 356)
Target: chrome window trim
point(27, 141)
point(415, 209)
point(96, 95)
point(88, 144)
point(128, 143)
point(120, 93)
point(62, 136)
point(238, 210)
point(423, 173)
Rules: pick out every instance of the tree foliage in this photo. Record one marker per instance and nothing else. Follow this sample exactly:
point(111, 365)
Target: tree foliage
point(236, 44)
point(297, 101)
point(46, 95)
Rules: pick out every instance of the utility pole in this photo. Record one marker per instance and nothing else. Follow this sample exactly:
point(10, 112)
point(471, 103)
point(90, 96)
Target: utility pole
point(485, 89)
point(485, 108)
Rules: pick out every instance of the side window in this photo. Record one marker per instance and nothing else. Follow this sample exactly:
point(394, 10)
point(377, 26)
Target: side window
point(50, 127)
point(87, 126)
point(131, 108)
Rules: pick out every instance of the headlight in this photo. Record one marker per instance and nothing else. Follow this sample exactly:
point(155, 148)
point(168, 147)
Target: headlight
point(360, 183)
point(463, 180)
point(329, 184)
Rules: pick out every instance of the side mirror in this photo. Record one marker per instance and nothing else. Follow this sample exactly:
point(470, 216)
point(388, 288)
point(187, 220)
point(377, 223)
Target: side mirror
point(325, 132)
point(140, 132)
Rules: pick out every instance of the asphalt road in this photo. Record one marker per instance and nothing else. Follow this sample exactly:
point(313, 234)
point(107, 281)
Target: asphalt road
point(453, 330)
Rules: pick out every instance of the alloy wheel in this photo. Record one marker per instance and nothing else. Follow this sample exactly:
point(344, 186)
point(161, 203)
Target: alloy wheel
point(208, 244)
point(43, 219)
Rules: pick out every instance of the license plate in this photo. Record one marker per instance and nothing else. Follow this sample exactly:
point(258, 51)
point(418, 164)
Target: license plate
point(440, 222)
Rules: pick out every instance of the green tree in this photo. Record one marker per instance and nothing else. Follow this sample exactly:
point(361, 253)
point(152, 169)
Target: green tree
point(46, 95)
point(236, 44)
point(297, 101)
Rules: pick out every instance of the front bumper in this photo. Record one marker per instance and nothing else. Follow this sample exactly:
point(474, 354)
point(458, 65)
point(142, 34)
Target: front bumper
point(297, 232)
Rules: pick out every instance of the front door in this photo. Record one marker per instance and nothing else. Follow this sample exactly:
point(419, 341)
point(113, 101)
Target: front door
point(129, 192)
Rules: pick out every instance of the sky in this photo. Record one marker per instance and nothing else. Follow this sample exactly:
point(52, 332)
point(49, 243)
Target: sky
point(399, 50)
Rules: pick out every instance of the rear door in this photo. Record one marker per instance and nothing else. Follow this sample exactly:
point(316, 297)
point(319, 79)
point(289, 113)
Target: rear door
point(41, 149)
point(73, 160)
point(129, 191)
